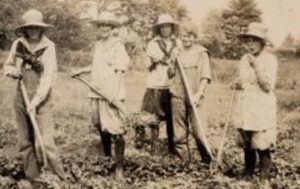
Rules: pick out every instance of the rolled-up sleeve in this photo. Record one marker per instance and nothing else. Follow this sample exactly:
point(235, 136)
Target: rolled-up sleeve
point(10, 64)
point(49, 74)
point(205, 61)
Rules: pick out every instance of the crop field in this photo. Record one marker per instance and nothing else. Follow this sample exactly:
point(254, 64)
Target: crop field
point(78, 141)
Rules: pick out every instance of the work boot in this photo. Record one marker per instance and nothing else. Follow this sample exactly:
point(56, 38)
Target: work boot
point(119, 150)
point(154, 140)
point(106, 142)
point(265, 164)
point(250, 160)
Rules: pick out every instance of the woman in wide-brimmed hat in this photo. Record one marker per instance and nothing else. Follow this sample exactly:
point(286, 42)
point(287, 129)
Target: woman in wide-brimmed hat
point(256, 108)
point(163, 20)
point(32, 58)
point(107, 74)
point(32, 18)
point(162, 52)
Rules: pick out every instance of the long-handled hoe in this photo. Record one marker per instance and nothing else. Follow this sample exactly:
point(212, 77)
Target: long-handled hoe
point(216, 163)
point(119, 107)
point(35, 126)
point(198, 128)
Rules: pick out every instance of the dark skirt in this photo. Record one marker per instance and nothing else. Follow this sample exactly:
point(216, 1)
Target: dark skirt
point(158, 102)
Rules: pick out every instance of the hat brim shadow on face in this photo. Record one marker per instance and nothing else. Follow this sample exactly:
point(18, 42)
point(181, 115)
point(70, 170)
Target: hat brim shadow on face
point(20, 30)
point(264, 40)
point(246, 35)
point(156, 28)
point(105, 22)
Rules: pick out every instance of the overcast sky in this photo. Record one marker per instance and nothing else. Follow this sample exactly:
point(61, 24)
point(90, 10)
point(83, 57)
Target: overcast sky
point(281, 16)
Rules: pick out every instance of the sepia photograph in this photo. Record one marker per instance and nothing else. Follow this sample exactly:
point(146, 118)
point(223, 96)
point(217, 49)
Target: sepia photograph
point(150, 94)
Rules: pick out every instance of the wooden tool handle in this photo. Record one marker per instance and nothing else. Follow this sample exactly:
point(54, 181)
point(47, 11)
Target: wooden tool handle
point(201, 131)
point(34, 124)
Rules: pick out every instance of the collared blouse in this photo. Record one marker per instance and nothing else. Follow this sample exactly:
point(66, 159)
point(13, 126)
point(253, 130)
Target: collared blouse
point(47, 59)
point(158, 77)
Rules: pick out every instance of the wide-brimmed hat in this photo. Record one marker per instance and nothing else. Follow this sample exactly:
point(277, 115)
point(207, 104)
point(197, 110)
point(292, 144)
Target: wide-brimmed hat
point(31, 18)
point(165, 19)
point(106, 18)
point(257, 30)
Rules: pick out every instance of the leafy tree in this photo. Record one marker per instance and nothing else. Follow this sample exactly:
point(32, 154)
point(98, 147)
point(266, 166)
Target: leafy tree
point(231, 22)
point(289, 48)
point(73, 33)
point(68, 32)
point(9, 11)
point(213, 33)
point(235, 20)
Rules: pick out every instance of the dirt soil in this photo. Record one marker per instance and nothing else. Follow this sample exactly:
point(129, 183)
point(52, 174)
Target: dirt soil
point(79, 146)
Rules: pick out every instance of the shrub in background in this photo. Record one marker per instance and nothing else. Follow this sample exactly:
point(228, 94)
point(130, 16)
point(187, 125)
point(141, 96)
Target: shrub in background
point(222, 27)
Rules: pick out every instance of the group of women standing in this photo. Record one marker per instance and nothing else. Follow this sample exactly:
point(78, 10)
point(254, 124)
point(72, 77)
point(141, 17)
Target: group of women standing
point(32, 61)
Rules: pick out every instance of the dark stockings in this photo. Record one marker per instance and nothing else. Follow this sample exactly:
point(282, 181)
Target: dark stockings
point(106, 142)
point(119, 150)
point(154, 139)
point(250, 160)
point(265, 163)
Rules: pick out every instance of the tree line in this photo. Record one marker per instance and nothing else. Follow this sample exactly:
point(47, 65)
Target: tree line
point(220, 28)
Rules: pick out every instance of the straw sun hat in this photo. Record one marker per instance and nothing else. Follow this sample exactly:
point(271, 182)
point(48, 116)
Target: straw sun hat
point(256, 30)
point(32, 18)
point(106, 18)
point(165, 19)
